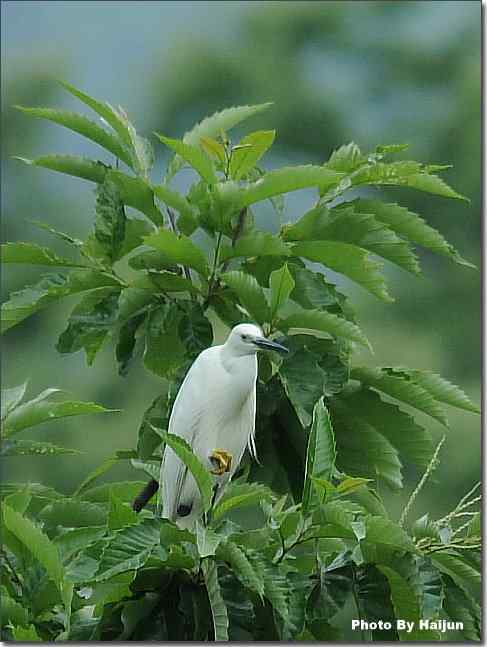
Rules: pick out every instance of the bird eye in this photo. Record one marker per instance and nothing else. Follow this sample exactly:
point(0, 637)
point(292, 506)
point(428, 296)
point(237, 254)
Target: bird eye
point(244, 337)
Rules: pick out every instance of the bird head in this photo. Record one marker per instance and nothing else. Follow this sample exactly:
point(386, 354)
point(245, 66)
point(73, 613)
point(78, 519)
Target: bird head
point(247, 339)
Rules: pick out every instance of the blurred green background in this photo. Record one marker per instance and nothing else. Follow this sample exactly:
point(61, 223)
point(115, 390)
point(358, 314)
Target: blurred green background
point(371, 72)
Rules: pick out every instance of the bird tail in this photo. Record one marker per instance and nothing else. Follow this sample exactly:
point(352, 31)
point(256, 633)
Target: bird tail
point(145, 495)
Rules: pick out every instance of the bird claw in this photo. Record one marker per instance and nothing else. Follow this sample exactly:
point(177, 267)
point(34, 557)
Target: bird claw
point(221, 460)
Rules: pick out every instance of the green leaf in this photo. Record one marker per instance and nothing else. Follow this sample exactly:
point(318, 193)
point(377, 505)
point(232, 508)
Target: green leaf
point(207, 540)
point(241, 566)
point(343, 223)
point(126, 342)
point(441, 389)
point(399, 385)
point(365, 407)
point(126, 491)
point(244, 159)
point(404, 173)
point(33, 448)
point(129, 549)
point(202, 477)
point(193, 155)
point(239, 495)
point(461, 608)
point(321, 452)
point(42, 409)
point(26, 634)
point(90, 323)
point(135, 192)
point(75, 539)
point(36, 542)
point(195, 331)
point(164, 351)
point(33, 254)
point(250, 294)
point(213, 148)
point(281, 284)
point(49, 290)
point(461, 572)
point(84, 126)
point(406, 606)
point(291, 178)
point(363, 450)
point(258, 243)
point(105, 110)
point(319, 321)
point(213, 126)
point(354, 262)
point(120, 515)
point(11, 398)
point(410, 225)
point(379, 530)
point(302, 379)
point(12, 611)
point(110, 220)
point(72, 513)
point(187, 222)
point(218, 608)
point(178, 249)
point(346, 159)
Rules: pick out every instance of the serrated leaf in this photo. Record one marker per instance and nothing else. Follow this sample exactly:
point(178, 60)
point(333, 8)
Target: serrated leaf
point(72, 513)
point(379, 530)
point(110, 220)
point(105, 111)
point(281, 284)
point(319, 321)
point(239, 495)
point(120, 515)
point(244, 159)
point(164, 351)
point(33, 448)
point(258, 243)
point(207, 540)
point(178, 249)
point(33, 254)
point(193, 155)
point(241, 566)
point(49, 290)
point(124, 490)
point(406, 606)
point(213, 147)
point(410, 225)
point(363, 450)
point(346, 159)
point(126, 342)
point(195, 330)
point(218, 608)
point(250, 294)
point(404, 173)
point(321, 452)
point(202, 477)
point(213, 125)
point(343, 223)
point(441, 389)
point(135, 192)
point(75, 539)
point(398, 385)
point(287, 179)
point(365, 406)
point(90, 323)
point(354, 262)
point(461, 608)
point(36, 542)
point(35, 412)
point(84, 126)
point(461, 572)
point(129, 549)
point(303, 381)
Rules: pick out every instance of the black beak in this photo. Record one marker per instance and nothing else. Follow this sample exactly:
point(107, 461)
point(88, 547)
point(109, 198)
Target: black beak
point(267, 344)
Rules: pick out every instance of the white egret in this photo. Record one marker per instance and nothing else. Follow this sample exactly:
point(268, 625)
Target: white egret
point(214, 412)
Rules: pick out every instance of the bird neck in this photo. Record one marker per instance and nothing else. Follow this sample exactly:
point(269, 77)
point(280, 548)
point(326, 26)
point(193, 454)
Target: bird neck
point(234, 362)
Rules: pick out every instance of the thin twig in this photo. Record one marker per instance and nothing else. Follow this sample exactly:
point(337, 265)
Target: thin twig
point(429, 470)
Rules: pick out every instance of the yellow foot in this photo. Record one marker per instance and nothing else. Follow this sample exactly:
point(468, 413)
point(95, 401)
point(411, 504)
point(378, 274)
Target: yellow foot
point(222, 461)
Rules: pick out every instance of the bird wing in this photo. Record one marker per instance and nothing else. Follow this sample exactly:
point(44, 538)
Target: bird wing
point(188, 409)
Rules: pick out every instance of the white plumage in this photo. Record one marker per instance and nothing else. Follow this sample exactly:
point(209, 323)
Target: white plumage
point(214, 410)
